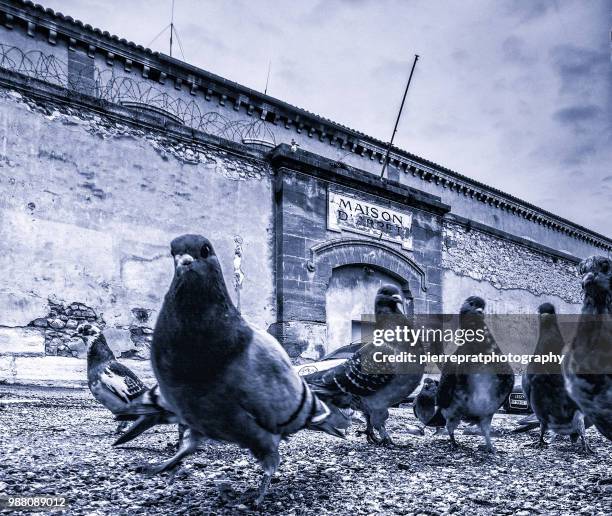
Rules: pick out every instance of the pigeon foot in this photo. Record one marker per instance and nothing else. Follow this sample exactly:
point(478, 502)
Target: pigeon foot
point(150, 470)
point(539, 445)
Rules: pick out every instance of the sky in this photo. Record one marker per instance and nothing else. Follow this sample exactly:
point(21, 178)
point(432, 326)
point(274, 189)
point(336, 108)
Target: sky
point(514, 93)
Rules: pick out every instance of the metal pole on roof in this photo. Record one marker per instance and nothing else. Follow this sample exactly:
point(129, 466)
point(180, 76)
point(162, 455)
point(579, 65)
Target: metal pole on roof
point(171, 27)
point(268, 77)
point(416, 58)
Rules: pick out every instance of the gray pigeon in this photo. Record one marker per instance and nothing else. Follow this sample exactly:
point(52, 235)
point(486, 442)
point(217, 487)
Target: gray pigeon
point(360, 386)
point(425, 409)
point(474, 392)
point(110, 382)
point(223, 378)
point(544, 387)
point(119, 389)
point(587, 367)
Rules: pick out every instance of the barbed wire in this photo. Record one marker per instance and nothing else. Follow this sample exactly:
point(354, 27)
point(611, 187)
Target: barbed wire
point(131, 92)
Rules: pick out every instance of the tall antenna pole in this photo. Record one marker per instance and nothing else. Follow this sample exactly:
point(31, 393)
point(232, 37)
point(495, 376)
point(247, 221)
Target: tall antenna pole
point(416, 58)
point(171, 27)
point(268, 78)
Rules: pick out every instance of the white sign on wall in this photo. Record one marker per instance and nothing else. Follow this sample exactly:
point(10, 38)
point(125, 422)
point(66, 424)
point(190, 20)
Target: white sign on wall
point(345, 213)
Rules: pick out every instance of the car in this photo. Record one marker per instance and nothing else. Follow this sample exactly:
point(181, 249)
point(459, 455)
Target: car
point(336, 357)
point(517, 402)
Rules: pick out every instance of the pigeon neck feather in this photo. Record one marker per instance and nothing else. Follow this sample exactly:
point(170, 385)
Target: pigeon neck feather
point(99, 351)
point(206, 295)
point(550, 340)
point(597, 305)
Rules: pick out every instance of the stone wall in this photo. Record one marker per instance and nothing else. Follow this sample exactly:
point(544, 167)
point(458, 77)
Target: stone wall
point(59, 328)
point(514, 277)
point(88, 207)
point(308, 251)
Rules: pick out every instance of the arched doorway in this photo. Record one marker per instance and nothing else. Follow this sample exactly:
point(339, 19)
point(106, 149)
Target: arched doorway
point(350, 295)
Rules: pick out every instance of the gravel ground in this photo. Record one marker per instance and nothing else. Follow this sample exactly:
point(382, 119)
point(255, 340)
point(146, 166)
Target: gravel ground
point(58, 442)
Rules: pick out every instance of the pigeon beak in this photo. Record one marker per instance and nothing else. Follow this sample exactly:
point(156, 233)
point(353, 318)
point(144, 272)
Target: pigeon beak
point(182, 260)
point(479, 310)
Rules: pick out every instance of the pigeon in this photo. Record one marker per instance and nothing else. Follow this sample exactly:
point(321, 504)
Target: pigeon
point(544, 387)
point(119, 389)
point(587, 367)
point(110, 382)
point(352, 384)
point(424, 407)
point(223, 378)
point(473, 392)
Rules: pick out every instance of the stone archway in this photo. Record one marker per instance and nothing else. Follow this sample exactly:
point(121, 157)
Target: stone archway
point(351, 251)
point(349, 302)
point(337, 254)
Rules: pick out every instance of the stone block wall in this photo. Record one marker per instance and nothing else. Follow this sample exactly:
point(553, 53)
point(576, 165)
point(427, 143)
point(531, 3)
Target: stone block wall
point(514, 278)
point(59, 328)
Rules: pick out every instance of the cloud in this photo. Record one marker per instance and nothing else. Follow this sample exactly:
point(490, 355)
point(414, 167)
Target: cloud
point(574, 115)
point(392, 69)
point(577, 66)
point(577, 154)
point(203, 36)
point(513, 51)
point(528, 10)
point(325, 11)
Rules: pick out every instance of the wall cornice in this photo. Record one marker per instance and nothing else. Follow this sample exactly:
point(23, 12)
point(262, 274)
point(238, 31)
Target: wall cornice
point(42, 92)
point(329, 170)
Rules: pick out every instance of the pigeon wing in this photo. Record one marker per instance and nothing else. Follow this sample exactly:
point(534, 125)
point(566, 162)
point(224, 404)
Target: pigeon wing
point(352, 377)
point(270, 390)
point(122, 381)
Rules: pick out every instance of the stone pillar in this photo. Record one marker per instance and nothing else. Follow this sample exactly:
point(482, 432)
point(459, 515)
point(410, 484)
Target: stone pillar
point(299, 224)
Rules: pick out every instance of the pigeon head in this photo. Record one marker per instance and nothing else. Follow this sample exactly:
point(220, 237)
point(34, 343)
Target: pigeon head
point(547, 315)
point(546, 308)
point(97, 348)
point(473, 305)
point(430, 386)
point(389, 300)
point(472, 312)
point(596, 274)
point(191, 252)
point(197, 270)
point(88, 332)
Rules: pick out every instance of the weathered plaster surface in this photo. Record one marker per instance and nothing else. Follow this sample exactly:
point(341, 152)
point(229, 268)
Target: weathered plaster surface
point(88, 207)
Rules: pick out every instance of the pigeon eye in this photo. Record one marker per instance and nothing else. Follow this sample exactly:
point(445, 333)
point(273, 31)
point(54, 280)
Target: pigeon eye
point(205, 251)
